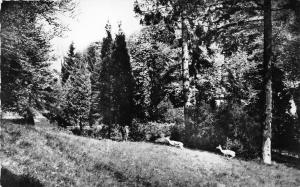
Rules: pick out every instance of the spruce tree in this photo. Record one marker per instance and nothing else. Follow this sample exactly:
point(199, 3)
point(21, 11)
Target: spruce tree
point(105, 80)
point(68, 63)
point(123, 83)
point(115, 82)
point(76, 94)
point(92, 57)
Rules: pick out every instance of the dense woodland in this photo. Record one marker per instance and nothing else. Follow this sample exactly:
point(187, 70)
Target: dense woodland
point(203, 72)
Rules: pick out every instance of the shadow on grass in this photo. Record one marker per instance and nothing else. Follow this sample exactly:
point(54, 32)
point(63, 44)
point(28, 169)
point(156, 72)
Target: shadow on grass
point(287, 160)
point(9, 179)
point(120, 176)
point(20, 121)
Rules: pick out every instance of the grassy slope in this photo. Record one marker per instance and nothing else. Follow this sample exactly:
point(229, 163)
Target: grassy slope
point(61, 159)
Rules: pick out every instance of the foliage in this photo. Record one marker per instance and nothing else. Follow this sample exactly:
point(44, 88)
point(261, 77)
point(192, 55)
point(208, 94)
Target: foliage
point(155, 71)
point(93, 59)
point(241, 131)
point(115, 83)
point(150, 131)
point(122, 84)
point(105, 79)
point(76, 94)
point(68, 64)
point(27, 80)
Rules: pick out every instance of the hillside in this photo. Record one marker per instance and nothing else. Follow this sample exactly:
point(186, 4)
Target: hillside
point(44, 155)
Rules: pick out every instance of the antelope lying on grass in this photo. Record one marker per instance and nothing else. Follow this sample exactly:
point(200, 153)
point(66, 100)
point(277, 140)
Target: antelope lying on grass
point(226, 152)
point(175, 143)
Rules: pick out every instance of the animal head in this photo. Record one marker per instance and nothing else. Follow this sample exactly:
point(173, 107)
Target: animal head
point(219, 147)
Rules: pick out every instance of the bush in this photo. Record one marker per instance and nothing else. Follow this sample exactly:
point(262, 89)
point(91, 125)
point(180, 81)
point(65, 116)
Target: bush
point(137, 131)
point(102, 131)
point(230, 126)
point(286, 133)
point(203, 133)
point(150, 131)
point(116, 133)
point(243, 133)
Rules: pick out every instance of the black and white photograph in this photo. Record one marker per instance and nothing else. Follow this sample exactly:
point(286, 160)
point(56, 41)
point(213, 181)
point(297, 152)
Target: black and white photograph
point(164, 93)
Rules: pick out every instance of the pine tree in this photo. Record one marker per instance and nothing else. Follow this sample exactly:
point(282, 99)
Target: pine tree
point(123, 84)
point(115, 82)
point(105, 80)
point(68, 64)
point(92, 56)
point(76, 94)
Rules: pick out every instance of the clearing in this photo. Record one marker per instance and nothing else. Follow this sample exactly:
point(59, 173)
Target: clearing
point(46, 156)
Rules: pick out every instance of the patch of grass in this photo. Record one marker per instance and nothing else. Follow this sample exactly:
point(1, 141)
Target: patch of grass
point(59, 159)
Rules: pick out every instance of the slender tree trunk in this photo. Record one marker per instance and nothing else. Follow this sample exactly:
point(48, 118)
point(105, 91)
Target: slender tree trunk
point(111, 110)
point(0, 73)
point(297, 35)
point(297, 100)
point(267, 123)
point(186, 78)
point(29, 117)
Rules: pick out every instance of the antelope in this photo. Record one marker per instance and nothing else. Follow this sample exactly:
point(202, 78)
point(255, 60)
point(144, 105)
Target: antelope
point(226, 152)
point(175, 143)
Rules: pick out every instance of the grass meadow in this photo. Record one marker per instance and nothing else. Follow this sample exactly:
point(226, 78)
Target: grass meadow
point(57, 158)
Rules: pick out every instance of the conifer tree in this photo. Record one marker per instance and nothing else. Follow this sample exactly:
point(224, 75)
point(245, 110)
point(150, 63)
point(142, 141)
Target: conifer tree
point(68, 63)
point(26, 77)
point(123, 83)
point(92, 57)
point(105, 80)
point(76, 94)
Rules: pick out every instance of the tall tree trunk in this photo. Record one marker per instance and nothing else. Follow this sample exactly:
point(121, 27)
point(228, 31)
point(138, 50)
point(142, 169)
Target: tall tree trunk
point(0, 72)
point(267, 123)
point(29, 116)
point(297, 100)
point(296, 33)
point(186, 78)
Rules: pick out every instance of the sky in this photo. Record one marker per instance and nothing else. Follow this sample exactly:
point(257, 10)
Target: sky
point(88, 25)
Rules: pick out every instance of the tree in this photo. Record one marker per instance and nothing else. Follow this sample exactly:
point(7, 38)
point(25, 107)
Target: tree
point(105, 80)
point(155, 70)
point(183, 15)
point(92, 57)
point(267, 124)
point(115, 81)
point(123, 85)
point(76, 94)
point(68, 64)
point(238, 24)
point(26, 77)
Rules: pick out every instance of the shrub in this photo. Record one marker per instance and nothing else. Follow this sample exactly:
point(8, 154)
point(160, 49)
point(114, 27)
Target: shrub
point(230, 126)
point(243, 133)
point(137, 131)
point(150, 131)
point(154, 130)
point(116, 133)
point(286, 133)
point(203, 133)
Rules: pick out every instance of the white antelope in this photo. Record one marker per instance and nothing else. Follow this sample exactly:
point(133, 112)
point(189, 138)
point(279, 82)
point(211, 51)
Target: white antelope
point(175, 143)
point(226, 152)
